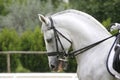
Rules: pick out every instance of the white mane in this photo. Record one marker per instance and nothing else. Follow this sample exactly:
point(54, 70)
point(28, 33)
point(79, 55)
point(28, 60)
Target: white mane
point(80, 23)
point(79, 13)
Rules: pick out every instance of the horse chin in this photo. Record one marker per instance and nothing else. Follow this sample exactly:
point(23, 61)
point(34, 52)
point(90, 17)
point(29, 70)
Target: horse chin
point(57, 71)
point(59, 68)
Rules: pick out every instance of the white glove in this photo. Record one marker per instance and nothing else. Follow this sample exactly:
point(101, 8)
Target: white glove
point(115, 26)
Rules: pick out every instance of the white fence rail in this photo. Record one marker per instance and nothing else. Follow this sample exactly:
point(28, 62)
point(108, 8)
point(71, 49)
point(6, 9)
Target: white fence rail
point(22, 52)
point(38, 76)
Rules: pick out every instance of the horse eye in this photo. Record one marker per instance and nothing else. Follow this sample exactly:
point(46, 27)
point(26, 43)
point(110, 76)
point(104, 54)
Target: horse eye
point(49, 40)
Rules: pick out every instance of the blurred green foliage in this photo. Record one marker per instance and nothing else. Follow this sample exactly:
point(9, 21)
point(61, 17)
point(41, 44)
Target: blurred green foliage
point(19, 28)
point(100, 9)
point(29, 40)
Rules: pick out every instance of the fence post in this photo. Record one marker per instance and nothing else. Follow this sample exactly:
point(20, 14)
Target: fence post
point(8, 53)
point(8, 63)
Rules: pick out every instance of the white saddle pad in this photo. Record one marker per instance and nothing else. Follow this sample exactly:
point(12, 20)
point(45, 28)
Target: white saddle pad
point(110, 64)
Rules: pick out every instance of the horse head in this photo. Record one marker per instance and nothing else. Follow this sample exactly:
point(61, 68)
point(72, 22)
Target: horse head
point(56, 44)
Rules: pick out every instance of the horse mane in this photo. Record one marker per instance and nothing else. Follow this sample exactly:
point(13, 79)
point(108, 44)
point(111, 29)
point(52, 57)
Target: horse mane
point(80, 13)
point(72, 11)
point(68, 11)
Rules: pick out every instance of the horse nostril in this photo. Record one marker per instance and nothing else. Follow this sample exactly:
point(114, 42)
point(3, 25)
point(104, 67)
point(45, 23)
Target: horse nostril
point(52, 66)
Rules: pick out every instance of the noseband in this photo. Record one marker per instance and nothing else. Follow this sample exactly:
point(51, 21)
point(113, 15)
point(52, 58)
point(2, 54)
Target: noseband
point(73, 53)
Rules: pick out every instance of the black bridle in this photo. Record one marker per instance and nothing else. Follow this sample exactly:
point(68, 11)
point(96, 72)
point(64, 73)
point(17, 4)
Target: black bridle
point(72, 53)
point(57, 39)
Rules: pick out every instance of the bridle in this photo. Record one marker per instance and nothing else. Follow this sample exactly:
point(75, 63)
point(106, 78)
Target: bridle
point(72, 53)
point(57, 40)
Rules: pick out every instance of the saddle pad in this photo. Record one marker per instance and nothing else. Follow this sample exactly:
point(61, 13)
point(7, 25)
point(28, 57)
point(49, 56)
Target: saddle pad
point(113, 61)
point(116, 59)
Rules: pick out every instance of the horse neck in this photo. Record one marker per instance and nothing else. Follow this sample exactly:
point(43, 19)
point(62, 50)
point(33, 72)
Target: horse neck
point(82, 30)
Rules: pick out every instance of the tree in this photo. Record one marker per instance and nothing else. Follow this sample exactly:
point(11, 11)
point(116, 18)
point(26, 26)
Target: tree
point(100, 9)
point(23, 14)
point(33, 41)
point(9, 40)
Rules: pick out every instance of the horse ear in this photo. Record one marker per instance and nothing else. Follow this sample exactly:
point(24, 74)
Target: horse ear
point(43, 18)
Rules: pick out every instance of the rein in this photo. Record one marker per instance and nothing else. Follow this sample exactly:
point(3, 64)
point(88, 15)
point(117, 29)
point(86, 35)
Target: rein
point(79, 51)
point(73, 53)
